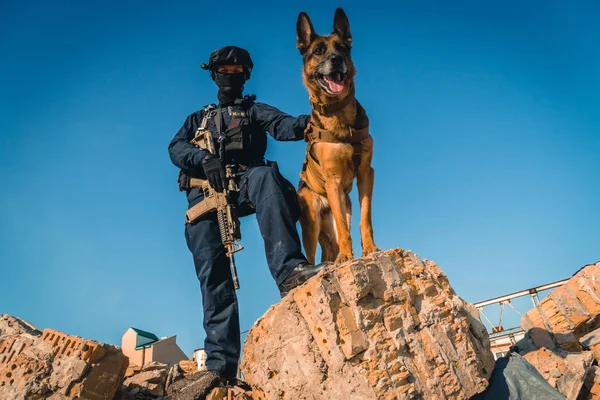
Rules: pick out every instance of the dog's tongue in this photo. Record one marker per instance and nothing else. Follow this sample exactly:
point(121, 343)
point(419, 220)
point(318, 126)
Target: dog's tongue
point(335, 82)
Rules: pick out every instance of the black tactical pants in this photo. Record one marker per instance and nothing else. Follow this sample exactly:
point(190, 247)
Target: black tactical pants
point(266, 192)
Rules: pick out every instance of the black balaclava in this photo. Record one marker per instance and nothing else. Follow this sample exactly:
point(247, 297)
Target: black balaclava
point(230, 86)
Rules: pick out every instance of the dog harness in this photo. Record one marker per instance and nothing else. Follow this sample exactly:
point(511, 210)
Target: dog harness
point(312, 174)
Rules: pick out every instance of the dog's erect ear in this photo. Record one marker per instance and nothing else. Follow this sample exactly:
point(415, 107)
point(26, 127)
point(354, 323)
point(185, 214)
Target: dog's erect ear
point(341, 26)
point(305, 33)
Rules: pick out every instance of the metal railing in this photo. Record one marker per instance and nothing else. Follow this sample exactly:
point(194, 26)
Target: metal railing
point(498, 331)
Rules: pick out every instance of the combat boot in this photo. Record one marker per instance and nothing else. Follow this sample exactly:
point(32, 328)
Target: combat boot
point(300, 274)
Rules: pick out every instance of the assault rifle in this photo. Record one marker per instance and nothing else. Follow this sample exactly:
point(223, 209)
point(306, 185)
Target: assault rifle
point(221, 202)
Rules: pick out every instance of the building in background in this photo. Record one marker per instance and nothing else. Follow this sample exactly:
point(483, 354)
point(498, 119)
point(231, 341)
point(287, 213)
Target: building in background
point(500, 344)
point(200, 357)
point(142, 347)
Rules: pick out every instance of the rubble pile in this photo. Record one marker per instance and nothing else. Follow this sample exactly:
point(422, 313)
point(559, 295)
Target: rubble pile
point(53, 365)
point(562, 370)
point(386, 326)
point(563, 336)
point(155, 381)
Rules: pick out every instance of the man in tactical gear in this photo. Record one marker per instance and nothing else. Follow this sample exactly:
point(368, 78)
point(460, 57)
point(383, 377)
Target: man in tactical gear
point(262, 190)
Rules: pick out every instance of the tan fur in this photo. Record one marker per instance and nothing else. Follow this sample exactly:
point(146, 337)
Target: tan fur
point(327, 219)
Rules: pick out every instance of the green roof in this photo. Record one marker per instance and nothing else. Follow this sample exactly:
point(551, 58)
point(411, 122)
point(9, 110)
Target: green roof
point(145, 334)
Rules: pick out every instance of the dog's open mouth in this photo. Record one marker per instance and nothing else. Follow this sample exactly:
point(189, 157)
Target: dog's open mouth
point(332, 83)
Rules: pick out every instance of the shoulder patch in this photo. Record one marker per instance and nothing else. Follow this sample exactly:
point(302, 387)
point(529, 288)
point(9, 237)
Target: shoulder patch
point(237, 113)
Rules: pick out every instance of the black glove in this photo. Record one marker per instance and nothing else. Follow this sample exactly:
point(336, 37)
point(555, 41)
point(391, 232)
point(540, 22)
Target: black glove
point(215, 174)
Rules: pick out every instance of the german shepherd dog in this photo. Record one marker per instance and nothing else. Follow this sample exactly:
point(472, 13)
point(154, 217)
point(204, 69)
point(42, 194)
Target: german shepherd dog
point(339, 148)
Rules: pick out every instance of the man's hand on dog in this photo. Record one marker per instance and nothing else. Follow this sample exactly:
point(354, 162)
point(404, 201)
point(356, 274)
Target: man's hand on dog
point(214, 171)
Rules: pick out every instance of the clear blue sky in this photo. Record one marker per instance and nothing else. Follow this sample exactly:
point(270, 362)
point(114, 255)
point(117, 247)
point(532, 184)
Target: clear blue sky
point(485, 119)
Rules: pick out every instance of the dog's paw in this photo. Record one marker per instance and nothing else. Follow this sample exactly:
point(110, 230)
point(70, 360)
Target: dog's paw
point(369, 250)
point(344, 257)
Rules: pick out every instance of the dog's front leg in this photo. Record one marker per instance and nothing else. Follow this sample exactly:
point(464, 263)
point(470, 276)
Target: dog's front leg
point(366, 179)
point(310, 221)
point(337, 202)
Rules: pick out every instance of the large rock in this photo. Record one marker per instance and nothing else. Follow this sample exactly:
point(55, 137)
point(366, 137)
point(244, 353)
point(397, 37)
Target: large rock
point(568, 312)
point(57, 366)
point(386, 326)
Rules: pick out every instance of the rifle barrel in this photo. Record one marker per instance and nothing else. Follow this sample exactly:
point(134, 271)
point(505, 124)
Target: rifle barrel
point(236, 282)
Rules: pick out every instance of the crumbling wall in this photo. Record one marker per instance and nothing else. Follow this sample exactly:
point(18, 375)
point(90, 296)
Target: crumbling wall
point(54, 365)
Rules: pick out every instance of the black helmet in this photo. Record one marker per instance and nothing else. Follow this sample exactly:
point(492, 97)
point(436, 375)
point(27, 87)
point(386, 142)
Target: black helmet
point(230, 55)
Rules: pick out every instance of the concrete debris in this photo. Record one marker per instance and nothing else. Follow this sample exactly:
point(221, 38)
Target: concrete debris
point(569, 312)
point(54, 365)
point(207, 385)
point(234, 393)
point(137, 393)
point(175, 374)
point(152, 376)
point(132, 369)
point(188, 367)
point(566, 322)
point(562, 370)
point(591, 341)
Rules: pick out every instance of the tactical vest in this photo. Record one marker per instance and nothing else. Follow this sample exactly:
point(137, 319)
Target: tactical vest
point(236, 140)
point(244, 144)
